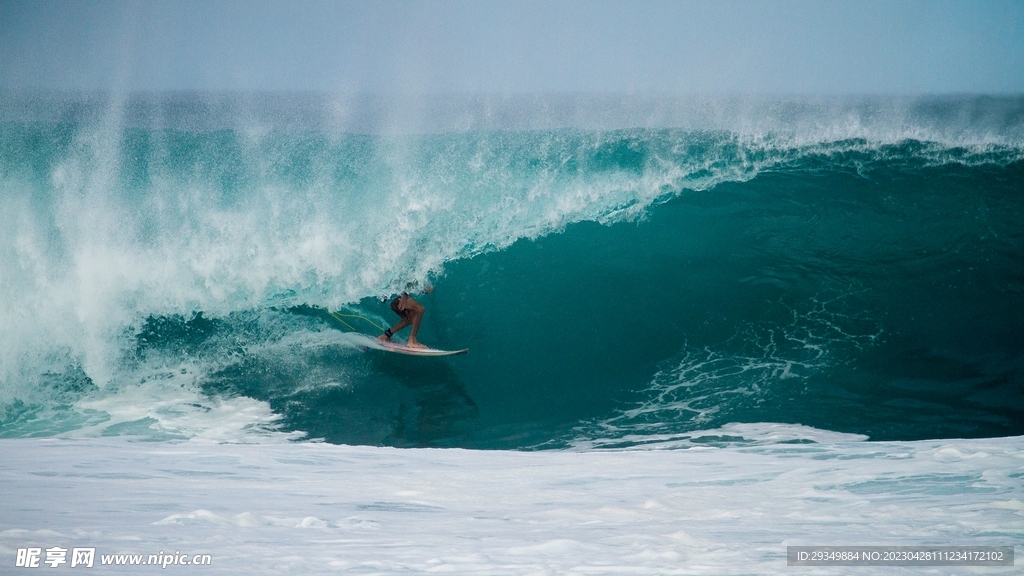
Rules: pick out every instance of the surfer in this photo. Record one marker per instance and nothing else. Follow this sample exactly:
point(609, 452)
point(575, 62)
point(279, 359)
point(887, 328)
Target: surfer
point(411, 312)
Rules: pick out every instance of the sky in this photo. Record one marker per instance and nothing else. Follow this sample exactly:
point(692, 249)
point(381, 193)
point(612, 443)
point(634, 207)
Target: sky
point(516, 46)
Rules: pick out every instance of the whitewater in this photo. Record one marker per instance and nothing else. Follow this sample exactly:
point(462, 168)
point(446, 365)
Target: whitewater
point(319, 508)
point(701, 329)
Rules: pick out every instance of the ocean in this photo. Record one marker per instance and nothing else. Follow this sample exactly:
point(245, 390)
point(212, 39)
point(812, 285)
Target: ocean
point(722, 277)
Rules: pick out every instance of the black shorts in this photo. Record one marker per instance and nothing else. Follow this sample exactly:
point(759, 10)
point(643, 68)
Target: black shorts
point(394, 307)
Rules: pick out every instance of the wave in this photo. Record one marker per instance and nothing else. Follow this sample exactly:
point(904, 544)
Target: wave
point(201, 223)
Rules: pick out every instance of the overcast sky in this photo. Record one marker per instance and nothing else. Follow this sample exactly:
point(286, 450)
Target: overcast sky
point(504, 46)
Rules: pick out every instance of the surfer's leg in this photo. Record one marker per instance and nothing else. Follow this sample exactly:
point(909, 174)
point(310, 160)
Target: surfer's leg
point(417, 317)
point(415, 314)
point(396, 306)
point(405, 321)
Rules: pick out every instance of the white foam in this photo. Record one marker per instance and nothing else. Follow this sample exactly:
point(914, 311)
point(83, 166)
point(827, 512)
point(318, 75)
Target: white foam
point(310, 508)
point(169, 405)
point(738, 434)
point(162, 397)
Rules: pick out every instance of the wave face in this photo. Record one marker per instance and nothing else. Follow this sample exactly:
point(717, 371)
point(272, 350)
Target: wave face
point(623, 271)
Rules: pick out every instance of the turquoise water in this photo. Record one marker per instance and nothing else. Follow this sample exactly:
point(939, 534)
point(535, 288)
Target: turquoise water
point(167, 266)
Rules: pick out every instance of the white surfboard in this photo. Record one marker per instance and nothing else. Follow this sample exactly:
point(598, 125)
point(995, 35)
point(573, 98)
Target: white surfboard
point(401, 348)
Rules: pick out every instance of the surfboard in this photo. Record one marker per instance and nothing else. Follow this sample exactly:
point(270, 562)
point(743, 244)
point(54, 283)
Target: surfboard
point(400, 348)
point(403, 349)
